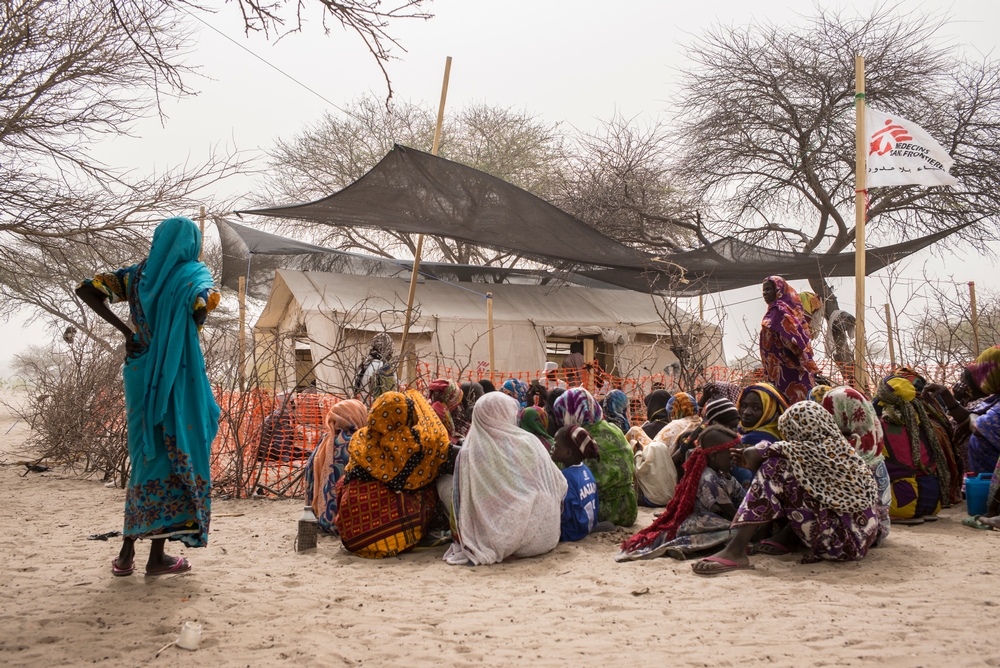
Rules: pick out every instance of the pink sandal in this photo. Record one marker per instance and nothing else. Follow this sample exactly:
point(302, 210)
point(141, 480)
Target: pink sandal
point(182, 565)
point(122, 572)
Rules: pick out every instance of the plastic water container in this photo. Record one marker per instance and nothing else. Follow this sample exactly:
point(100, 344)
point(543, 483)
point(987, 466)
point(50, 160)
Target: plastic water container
point(977, 489)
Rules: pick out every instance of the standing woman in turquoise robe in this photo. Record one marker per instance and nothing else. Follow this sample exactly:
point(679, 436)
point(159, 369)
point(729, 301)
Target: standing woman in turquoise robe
point(172, 415)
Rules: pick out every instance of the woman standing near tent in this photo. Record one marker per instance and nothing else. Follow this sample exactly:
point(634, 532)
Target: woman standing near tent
point(785, 350)
point(376, 375)
point(171, 413)
point(615, 471)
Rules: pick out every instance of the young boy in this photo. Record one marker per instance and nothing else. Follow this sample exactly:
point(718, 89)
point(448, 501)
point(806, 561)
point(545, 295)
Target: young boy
point(718, 491)
point(579, 514)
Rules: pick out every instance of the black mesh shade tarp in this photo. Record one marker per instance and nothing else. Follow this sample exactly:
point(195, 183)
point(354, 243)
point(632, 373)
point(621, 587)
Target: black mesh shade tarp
point(257, 254)
point(415, 192)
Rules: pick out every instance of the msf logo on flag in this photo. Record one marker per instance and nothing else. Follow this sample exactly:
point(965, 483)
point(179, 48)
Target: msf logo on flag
point(888, 138)
point(902, 153)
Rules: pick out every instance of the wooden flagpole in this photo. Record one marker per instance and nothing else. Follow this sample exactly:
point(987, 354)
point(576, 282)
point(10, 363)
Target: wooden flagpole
point(860, 195)
point(420, 237)
point(975, 318)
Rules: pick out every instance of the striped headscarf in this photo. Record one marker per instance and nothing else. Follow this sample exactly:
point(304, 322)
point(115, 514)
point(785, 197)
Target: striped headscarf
point(896, 400)
point(681, 405)
point(985, 371)
point(516, 390)
point(577, 408)
point(616, 410)
point(774, 404)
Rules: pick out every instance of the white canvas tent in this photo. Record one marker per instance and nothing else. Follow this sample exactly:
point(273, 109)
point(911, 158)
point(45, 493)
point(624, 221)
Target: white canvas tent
point(328, 319)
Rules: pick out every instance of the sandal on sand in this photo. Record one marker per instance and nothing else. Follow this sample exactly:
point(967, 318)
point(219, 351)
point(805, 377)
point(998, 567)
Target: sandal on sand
point(907, 522)
point(182, 565)
point(772, 548)
point(122, 572)
point(724, 566)
point(974, 523)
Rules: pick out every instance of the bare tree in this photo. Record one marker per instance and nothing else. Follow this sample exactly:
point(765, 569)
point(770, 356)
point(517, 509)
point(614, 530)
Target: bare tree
point(617, 179)
point(74, 73)
point(767, 132)
point(510, 144)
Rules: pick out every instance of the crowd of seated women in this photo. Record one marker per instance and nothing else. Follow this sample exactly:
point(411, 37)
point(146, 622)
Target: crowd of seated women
point(735, 472)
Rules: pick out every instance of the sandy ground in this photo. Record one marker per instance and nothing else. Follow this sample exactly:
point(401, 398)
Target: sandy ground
point(931, 597)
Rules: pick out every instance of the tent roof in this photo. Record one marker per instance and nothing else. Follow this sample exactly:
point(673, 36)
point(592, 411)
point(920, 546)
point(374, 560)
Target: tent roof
point(541, 305)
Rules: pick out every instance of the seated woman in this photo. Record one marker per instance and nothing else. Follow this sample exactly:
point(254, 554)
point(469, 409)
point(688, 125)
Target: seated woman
point(656, 472)
point(760, 407)
point(507, 498)
point(327, 462)
point(817, 481)
point(918, 467)
point(517, 390)
point(698, 516)
point(445, 397)
point(387, 498)
point(855, 417)
point(579, 510)
point(550, 408)
point(471, 392)
point(535, 420)
point(656, 412)
point(615, 408)
point(615, 471)
point(978, 424)
point(717, 389)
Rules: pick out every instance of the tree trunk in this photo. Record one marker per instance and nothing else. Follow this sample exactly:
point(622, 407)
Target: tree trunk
point(841, 353)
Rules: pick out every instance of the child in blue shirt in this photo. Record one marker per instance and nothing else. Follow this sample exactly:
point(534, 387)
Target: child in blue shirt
point(579, 514)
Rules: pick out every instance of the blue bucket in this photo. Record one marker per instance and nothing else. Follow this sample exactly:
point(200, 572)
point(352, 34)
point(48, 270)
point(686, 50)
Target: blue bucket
point(977, 489)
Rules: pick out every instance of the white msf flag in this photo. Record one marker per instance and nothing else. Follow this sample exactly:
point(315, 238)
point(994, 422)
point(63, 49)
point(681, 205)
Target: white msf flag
point(901, 153)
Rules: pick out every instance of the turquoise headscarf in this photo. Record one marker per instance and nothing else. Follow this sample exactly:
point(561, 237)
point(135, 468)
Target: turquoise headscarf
point(172, 368)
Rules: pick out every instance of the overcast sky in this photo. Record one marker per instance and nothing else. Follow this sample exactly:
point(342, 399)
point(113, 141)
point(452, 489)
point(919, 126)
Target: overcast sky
point(573, 62)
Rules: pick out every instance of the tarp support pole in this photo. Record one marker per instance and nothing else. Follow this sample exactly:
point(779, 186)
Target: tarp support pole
point(201, 226)
point(420, 237)
point(888, 329)
point(860, 212)
point(489, 328)
point(975, 318)
point(243, 329)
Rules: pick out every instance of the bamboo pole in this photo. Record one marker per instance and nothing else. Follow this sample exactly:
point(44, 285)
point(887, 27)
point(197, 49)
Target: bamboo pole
point(888, 327)
point(701, 307)
point(489, 327)
point(860, 192)
point(420, 237)
point(975, 317)
point(243, 328)
point(201, 226)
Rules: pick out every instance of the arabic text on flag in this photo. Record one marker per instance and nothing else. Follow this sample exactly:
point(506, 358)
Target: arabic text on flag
point(901, 153)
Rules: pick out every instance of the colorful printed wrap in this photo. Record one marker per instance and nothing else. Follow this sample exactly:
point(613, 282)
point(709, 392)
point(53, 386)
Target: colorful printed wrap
point(717, 389)
point(681, 405)
point(326, 464)
point(614, 473)
point(516, 390)
point(856, 418)
point(823, 461)
point(616, 410)
point(817, 393)
point(664, 528)
point(403, 446)
point(535, 420)
point(577, 408)
point(985, 371)
point(446, 400)
point(375, 522)
point(171, 411)
point(774, 406)
point(896, 401)
point(785, 348)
